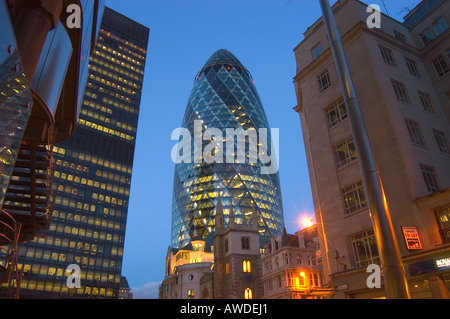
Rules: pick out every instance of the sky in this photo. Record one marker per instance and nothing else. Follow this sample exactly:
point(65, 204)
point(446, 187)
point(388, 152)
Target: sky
point(183, 35)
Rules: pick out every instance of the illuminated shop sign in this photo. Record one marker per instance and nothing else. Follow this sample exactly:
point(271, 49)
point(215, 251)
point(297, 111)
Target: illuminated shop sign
point(431, 265)
point(444, 262)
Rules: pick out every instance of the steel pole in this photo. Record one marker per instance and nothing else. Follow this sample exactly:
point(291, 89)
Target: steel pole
point(394, 274)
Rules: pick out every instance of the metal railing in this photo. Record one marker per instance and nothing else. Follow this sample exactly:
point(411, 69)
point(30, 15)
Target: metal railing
point(10, 274)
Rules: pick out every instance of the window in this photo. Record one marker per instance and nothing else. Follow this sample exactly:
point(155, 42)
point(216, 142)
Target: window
point(354, 197)
point(365, 249)
point(316, 280)
point(441, 66)
point(440, 26)
point(345, 152)
point(301, 279)
point(245, 243)
point(246, 266)
point(442, 141)
point(316, 51)
point(430, 177)
point(443, 220)
point(427, 103)
point(190, 294)
point(336, 113)
point(227, 268)
point(427, 36)
point(324, 81)
point(415, 132)
point(248, 293)
point(388, 56)
point(289, 278)
point(400, 36)
point(400, 91)
point(412, 67)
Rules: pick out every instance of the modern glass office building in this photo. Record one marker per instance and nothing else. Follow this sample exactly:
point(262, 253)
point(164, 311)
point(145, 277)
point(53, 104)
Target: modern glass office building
point(224, 99)
point(92, 174)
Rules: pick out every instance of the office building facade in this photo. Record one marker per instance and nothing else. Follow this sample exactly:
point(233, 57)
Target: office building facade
point(224, 98)
point(402, 79)
point(43, 72)
point(92, 175)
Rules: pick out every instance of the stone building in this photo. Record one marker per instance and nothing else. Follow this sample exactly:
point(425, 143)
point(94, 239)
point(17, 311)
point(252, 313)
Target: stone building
point(402, 79)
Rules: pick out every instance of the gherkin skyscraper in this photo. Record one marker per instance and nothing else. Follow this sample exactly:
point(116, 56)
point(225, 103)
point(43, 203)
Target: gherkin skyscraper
point(224, 99)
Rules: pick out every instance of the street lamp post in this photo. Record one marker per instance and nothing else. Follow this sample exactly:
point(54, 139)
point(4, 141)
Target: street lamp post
point(394, 274)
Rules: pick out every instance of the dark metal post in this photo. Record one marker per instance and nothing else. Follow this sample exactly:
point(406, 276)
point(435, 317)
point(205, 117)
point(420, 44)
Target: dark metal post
point(394, 274)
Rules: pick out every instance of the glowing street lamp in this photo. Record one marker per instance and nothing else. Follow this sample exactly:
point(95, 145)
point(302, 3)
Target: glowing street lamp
point(307, 222)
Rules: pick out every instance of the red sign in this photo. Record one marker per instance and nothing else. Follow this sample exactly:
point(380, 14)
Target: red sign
point(412, 239)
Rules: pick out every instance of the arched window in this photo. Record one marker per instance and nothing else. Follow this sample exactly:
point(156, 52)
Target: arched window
point(246, 266)
point(248, 293)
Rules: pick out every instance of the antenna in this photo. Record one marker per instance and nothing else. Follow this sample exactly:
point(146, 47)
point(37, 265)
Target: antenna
point(385, 8)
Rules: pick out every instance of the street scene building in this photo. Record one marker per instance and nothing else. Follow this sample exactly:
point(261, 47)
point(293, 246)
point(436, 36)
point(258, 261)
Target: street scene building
point(292, 267)
point(228, 269)
point(401, 74)
point(92, 174)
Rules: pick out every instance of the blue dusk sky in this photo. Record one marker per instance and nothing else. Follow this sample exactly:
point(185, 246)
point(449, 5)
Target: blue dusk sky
point(183, 35)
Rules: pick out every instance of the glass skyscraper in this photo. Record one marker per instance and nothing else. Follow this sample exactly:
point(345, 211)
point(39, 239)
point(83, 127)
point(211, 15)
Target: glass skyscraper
point(224, 97)
point(92, 174)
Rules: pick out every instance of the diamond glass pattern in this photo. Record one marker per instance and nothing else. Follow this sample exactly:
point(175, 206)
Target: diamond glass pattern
point(224, 96)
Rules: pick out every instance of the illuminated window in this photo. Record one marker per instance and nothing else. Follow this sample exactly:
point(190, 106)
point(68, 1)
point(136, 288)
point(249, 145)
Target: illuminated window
point(190, 294)
point(345, 152)
point(248, 293)
point(336, 113)
point(301, 279)
point(365, 249)
point(354, 198)
point(227, 268)
point(443, 219)
point(246, 266)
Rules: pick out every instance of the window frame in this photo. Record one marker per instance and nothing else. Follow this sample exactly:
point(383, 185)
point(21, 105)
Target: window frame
point(440, 66)
point(427, 102)
point(344, 147)
point(430, 178)
point(368, 239)
point(415, 132)
point(340, 109)
point(400, 91)
point(316, 51)
point(324, 81)
point(359, 201)
point(388, 55)
point(442, 141)
point(413, 67)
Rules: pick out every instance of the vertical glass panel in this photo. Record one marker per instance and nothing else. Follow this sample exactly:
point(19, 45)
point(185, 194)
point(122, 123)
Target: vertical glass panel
point(15, 100)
